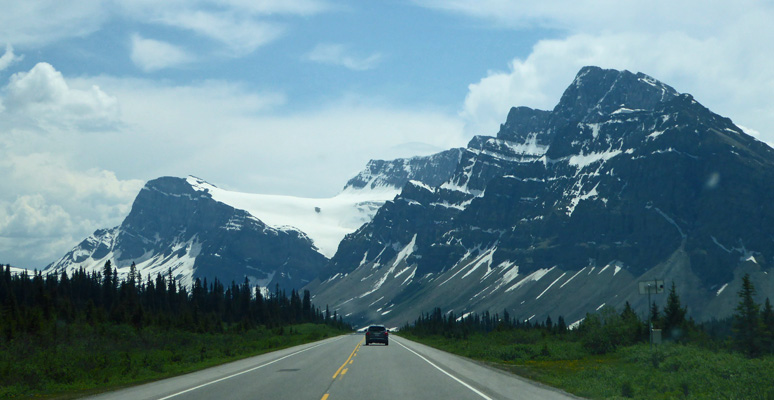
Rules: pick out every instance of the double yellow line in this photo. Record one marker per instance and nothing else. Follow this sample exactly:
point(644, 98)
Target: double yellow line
point(342, 369)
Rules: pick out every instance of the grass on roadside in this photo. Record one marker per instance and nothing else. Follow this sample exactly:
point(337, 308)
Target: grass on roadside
point(86, 359)
point(670, 371)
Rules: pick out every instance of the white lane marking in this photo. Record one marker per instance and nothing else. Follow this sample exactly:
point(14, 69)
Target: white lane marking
point(448, 374)
point(246, 371)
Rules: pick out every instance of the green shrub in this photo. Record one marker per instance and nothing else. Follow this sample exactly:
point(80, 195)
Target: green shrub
point(627, 390)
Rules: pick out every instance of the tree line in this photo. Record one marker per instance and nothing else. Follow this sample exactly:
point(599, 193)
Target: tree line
point(750, 330)
point(37, 303)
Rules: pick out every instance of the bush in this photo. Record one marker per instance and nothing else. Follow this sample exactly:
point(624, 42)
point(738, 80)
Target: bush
point(606, 331)
point(597, 337)
point(627, 390)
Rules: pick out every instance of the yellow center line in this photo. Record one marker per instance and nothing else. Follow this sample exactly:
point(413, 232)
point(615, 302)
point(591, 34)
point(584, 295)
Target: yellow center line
point(346, 362)
point(325, 396)
point(344, 371)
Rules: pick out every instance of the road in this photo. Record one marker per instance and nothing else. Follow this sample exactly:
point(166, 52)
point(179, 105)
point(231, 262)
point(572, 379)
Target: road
point(342, 368)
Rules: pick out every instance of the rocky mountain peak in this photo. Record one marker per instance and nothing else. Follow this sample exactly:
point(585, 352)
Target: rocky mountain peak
point(523, 123)
point(176, 226)
point(432, 170)
point(596, 93)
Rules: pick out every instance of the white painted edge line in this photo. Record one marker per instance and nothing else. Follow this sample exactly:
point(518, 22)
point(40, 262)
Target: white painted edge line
point(448, 374)
point(244, 372)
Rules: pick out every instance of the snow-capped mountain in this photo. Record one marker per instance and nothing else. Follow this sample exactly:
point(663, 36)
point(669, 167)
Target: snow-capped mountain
point(432, 170)
point(565, 211)
point(176, 225)
point(196, 229)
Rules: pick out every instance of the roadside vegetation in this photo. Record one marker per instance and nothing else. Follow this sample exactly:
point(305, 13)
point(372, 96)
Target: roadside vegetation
point(63, 336)
point(608, 355)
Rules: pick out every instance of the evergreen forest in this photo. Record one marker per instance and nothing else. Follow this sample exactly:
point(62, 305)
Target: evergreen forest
point(80, 332)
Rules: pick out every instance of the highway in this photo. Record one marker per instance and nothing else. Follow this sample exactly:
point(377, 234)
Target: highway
point(342, 368)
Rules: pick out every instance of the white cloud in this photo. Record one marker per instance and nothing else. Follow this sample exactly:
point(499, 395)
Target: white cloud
point(47, 205)
point(146, 8)
point(602, 16)
point(714, 53)
point(42, 98)
point(40, 22)
point(338, 54)
point(9, 58)
point(51, 193)
point(271, 7)
point(714, 70)
point(241, 34)
point(31, 216)
point(241, 26)
point(238, 139)
point(152, 55)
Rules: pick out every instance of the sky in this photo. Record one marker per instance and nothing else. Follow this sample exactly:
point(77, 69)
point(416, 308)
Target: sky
point(294, 97)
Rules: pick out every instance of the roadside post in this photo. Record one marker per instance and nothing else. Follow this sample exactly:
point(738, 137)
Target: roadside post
point(654, 286)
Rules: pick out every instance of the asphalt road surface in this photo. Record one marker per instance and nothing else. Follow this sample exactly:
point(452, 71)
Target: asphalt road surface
point(342, 368)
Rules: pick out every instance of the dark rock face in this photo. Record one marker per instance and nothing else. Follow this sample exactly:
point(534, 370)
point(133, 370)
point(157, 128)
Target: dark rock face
point(173, 226)
point(523, 123)
point(624, 176)
point(597, 93)
point(432, 170)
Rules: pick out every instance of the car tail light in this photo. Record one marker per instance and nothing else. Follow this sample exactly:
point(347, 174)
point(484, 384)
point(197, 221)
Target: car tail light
point(386, 333)
point(368, 333)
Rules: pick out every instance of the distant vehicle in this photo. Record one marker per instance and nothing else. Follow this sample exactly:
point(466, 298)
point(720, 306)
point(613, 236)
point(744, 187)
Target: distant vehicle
point(377, 334)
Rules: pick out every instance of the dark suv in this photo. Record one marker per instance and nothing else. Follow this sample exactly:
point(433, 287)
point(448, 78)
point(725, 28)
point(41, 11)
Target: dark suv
point(377, 333)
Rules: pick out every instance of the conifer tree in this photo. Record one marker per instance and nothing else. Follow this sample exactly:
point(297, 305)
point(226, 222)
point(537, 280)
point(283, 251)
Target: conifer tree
point(561, 326)
point(631, 325)
point(307, 306)
point(674, 315)
point(107, 285)
point(747, 322)
point(767, 318)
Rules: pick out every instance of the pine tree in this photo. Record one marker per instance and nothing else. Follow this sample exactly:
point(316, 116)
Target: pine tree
point(631, 324)
point(561, 326)
point(307, 306)
point(132, 279)
point(747, 322)
point(674, 315)
point(767, 318)
point(107, 284)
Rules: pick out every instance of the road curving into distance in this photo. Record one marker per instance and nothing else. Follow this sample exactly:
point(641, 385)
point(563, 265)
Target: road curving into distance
point(342, 368)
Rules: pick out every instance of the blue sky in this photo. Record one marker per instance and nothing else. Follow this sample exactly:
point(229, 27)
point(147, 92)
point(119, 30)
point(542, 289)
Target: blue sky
point(295, 96)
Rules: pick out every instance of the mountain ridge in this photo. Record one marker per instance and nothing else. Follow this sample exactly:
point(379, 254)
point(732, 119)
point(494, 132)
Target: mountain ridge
point(562, 212)
point(182, 226)
point(624, 177)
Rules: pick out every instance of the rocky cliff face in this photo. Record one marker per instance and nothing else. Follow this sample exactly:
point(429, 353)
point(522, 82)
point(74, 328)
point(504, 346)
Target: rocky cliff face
point(432, 170)
point(564, 211)
point(173, 226)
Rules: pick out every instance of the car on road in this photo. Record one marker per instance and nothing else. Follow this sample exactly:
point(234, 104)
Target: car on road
point(377, 334)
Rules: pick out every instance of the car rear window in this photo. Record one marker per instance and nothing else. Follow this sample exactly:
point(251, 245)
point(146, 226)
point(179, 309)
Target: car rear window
point(376, 329)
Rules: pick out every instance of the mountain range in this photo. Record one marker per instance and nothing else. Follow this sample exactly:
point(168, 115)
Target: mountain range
point(561, 213)
point(192, 229)
point(566, 211)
